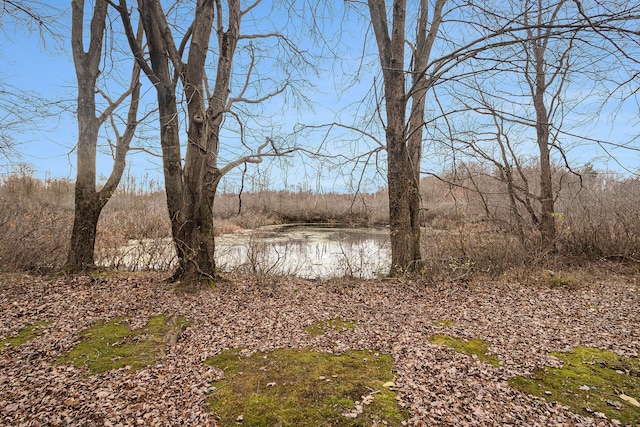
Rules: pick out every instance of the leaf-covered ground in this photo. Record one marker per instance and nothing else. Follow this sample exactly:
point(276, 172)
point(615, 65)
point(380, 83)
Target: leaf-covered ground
point(439, 386)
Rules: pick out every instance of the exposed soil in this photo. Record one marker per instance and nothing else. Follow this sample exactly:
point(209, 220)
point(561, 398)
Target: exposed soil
point(522, 323)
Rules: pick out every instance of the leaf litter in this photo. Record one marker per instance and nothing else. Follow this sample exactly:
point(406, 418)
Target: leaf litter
point(438, 385)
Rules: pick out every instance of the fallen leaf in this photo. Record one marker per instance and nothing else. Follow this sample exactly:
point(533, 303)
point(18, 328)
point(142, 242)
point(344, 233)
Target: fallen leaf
point(260, 318)
point(629, 400)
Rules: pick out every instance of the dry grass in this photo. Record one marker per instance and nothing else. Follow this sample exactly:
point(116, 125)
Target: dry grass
point(284, 207)
point(469, 228)
point(35, 223)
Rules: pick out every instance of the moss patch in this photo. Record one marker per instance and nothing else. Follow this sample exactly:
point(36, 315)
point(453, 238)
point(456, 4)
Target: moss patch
point(591, 380)
point(444, 323)
point(473, 346)
point(559, 279)
point(290, 387)
point(321, 328)
point(112, 345)
point(25, 335)
point(564, 281)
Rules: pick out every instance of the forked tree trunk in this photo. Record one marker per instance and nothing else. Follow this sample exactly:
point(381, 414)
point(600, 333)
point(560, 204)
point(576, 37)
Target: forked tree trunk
point(405, 239)
point(190, 191)
point(194, 249)
point(404, 138)
point(88, 201)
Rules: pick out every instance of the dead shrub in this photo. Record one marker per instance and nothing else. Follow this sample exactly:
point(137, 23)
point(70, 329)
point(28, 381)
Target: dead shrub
point(133, 217)
point(602, 220)
point(255, 209)
point(463, 254)
point(471, 230)
point(35, 222)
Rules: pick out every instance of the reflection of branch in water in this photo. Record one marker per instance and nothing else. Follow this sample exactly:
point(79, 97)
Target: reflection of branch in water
point(318, 254)
point(139, 255)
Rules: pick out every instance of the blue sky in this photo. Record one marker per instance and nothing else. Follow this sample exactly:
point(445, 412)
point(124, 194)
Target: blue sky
point(48, 147)
point(48, 71)
point(26, 65)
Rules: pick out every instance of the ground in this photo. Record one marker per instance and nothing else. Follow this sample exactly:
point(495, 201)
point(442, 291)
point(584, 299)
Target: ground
point(522, 323)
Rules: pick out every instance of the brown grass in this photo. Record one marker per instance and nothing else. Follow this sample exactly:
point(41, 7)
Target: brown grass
point(467, 233)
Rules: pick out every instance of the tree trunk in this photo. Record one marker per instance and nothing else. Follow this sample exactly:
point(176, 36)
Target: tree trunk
point(189, 195)
point(200, 208)
point(405, 241)
point(404, 194)
point(418, 94)
point(194, 248)
point(404, 139)
point(83, 236)
point(87, 204)
point(88, 201)
point(547, 225)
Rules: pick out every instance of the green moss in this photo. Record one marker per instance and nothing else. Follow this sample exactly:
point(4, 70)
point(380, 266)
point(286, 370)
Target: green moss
point(290, 387)
point(112, 345)
point(591, 380)
point(321, 328)
point(196, 285)
point(444, 323)
point(473, 346)
point(560, 279)
point(564, 281)
point(25, 335)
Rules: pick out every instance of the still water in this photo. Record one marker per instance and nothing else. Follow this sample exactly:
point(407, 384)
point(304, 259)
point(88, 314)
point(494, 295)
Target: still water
point(308, 251)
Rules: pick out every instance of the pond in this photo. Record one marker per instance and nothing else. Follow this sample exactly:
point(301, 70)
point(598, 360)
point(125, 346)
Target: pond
point(305, 250)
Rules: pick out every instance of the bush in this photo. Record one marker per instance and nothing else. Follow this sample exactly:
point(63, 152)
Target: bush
point(35, 222)
point(470, 229)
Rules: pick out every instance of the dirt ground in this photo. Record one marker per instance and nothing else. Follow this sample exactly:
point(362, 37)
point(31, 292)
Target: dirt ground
point(522, 323)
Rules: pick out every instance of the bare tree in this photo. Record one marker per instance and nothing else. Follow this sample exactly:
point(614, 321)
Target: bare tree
point(550, 66)
point(546, 44)
point(191, 186)
point(541, 70)
point(404, 137)
point(89, 201)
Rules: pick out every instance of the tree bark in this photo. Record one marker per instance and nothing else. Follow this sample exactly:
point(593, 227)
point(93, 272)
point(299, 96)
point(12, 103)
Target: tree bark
point(190, 191)
point(88, 201)
point(540, 84)
point(404, 138)
point(198, 196)
point(400, 177)
point(547, 225)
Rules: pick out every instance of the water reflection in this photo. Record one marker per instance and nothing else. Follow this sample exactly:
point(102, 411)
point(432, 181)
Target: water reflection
point(307, 251)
